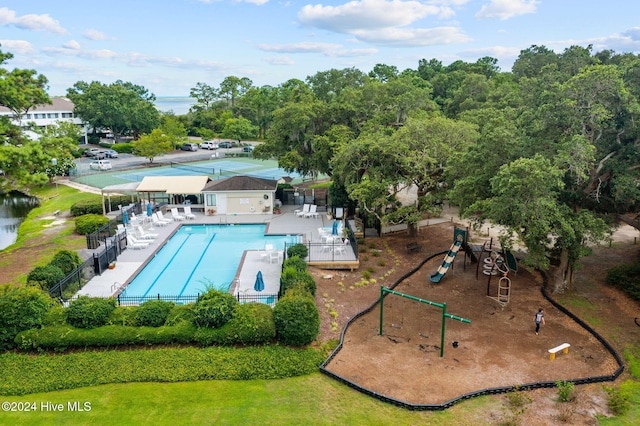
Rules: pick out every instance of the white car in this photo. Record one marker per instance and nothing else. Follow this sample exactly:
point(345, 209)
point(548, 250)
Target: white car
point(100, 165)
point(208, 145)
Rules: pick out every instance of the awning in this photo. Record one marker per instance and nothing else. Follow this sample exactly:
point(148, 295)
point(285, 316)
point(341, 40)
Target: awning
point(173, 184)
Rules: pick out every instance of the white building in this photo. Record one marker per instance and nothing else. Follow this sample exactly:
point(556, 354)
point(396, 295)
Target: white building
point(44, 115)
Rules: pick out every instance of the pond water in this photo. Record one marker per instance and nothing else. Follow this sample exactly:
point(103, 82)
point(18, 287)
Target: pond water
point(14, 207)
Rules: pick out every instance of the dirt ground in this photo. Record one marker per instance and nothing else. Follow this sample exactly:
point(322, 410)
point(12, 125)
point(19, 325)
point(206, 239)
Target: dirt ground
point(498, 348)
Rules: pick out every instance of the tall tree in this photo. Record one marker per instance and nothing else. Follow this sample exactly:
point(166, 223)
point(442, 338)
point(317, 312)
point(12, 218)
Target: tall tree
point(20, 89)
point(152, 145)
point(123, 108)
point(233, 87)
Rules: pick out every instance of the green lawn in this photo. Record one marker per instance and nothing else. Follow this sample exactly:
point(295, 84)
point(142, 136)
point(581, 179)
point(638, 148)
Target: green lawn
point(313, 399)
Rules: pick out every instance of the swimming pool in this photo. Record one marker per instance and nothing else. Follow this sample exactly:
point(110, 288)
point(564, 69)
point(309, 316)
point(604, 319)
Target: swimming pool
point(199, 257)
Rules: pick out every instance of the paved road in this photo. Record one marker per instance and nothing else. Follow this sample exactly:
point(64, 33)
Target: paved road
point(127, 161)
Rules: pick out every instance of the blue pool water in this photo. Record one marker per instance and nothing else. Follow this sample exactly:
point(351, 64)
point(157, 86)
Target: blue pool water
point(199, 257)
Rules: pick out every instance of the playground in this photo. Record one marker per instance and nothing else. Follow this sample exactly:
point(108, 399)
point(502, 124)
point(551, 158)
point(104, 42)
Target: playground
point(496, 346)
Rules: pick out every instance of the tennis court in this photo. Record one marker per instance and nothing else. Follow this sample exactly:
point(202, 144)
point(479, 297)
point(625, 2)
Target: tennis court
point(215, 169)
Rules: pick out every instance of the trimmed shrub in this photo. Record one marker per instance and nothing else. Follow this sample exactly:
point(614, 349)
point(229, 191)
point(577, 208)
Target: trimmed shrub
point(21, 309)
point(122, 148)
point(90, 312)
point(45, 276)
point(123, 315)
point(252, 323)
point(293, 278)
point(57, 315)
point(61, 338)
point(86, 207)
point(66, 260)
point(296, 262)
point(179, 314)
point(299, 250)
point(213, 309)
point(89, 223)
point(297, 320)
point(153, 313)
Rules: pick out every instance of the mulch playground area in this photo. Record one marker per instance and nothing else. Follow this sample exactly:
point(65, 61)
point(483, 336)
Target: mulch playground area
point(497, 348)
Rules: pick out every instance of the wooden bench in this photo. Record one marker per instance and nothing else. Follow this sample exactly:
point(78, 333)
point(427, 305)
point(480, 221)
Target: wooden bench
point(413, 247)
point(56, 213)
point(563, 347)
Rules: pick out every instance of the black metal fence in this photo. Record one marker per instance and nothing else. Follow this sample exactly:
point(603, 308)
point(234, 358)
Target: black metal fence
point(74, 281)
point(114, 246)
point(124, 300)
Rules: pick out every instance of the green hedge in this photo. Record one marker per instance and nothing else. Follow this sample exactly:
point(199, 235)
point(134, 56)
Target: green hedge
point(26, 374)
point(252, 323)
point(296, 262)
point(292, 278)
point(89, 223)
point(86, 207)
point(299, 250)
point(66, 260)
point(153, 313)
point(61, 338)
point(45, 276)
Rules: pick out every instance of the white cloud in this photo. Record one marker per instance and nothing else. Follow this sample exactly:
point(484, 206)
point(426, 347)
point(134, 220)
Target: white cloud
point(18, 47)
point(96, 35)
point(303, 47)
point(72, 44)
point(505, 9)
point(366, 14)
point(30, 22)
point(499, 52)
point(413, 36)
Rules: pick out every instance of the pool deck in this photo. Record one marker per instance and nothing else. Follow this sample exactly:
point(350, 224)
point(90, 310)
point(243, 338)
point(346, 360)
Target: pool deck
point(287, 223)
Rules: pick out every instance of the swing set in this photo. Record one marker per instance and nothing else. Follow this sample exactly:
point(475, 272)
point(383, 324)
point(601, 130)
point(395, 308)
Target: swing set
point(442, 306)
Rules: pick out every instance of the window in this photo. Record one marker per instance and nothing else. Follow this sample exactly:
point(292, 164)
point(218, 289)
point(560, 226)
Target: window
point(36, 116)
point(67, 115)
point(211, 199)
point(27, 116)
point(52, 115)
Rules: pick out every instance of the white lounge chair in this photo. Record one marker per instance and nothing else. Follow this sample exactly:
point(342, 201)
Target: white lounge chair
point(144, 235)
point(312, 212)
point(187, 213)
point(304, 211)
point(135, 244)
point(157, 221)
point(161, 217)
point(175, 215)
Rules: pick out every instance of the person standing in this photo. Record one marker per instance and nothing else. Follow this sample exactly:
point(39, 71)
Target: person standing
point(539, 319)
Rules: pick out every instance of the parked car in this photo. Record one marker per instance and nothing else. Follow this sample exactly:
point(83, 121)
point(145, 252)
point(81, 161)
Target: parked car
point(208, 145)
point(189, 147)
point(100, 165)
point(91, 152)
point(100, 155)
point(248, 148)
point(111, 153)
point(225, 144)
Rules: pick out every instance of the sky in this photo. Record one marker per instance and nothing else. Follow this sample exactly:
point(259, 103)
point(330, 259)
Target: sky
point(168, 46)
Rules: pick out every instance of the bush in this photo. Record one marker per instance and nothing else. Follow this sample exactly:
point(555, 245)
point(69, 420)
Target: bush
point(619, 398)
point(213, 309)
point(90, 312)
point(153, 313)
point(123, 315)
point(297, 320)
point(45, 276)
point(626, 278)
point(565, 391)
point(89, 223)
point(122, 148)
point(179, 314)
point(66, 260)
point(21, 309)
point(252, 323)
point(292, 278)
point(86, 207)
point(296, 262)
point(299, 250)
point(61, 338)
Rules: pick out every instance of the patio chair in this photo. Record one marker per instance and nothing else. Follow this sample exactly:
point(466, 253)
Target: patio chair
point(177, 217)
point(136, 244)
point(312, 212)
point(155, 219)
point(187, 213)
point(145, 235)
point(304, 211)
point(162, 218)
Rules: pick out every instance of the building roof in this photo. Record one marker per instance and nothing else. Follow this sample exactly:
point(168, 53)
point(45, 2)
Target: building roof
point(173, 184)
point(123, 188)
point(241, 183)
point(58, 104)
